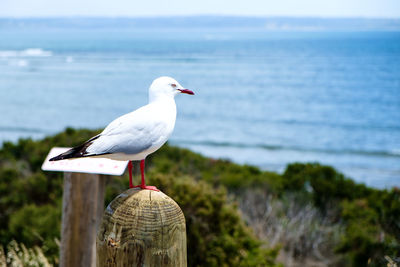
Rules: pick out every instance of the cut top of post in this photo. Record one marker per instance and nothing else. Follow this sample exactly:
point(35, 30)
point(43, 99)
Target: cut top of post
point(144, 228)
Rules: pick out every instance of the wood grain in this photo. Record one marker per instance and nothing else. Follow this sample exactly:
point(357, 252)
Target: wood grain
point(83, 205)
point(142, 228)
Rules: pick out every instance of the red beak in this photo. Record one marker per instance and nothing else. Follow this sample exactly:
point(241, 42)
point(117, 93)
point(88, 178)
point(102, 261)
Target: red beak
point(186, 91)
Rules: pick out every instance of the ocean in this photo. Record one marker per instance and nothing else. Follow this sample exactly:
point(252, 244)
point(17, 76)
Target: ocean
point(265, 98)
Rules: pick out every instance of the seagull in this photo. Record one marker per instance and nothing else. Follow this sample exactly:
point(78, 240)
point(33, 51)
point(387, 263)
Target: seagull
point(137, 134)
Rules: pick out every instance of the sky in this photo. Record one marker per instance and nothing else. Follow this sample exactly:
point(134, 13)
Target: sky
point(135, 8)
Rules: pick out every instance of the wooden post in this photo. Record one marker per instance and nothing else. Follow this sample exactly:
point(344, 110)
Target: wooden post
point(142, 228)
point(83, 205)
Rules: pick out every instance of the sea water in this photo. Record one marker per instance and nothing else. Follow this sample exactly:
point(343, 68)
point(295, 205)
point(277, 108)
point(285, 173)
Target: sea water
point(261, 98)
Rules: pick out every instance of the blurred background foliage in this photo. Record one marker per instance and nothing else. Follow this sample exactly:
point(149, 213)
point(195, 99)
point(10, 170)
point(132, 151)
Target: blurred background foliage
point(236, 215)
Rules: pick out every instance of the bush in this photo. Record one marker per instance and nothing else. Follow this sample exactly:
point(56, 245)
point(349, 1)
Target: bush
point(37, 226)
point(30, 202)
point(216, 234)
point(370, 216)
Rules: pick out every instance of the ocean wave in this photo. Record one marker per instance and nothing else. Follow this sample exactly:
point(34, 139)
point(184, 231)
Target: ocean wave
point(19, 63)
point(383, 153)
point(341, 125)
point(21, 129)
point(396, 152)
point(29, 52)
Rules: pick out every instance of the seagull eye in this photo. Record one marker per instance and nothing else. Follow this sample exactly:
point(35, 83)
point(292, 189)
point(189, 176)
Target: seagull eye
point(173, 85)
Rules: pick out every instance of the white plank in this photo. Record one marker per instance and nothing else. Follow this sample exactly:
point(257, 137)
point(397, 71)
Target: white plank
point(83, 165)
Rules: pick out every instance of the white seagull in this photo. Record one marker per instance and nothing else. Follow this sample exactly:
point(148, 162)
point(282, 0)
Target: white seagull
point(135, 135)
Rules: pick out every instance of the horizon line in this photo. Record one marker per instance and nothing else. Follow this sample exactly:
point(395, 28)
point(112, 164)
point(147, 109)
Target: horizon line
point(196, 15)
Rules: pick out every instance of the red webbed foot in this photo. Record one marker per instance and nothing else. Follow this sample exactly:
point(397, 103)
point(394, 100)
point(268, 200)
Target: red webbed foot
point(147, 187)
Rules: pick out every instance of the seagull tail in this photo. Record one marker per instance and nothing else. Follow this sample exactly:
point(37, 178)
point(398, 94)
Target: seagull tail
point(72, 153)
point(76, 152)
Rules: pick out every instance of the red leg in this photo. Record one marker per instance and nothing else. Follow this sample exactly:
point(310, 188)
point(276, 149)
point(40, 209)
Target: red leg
point(130, 166)
point(143, 184)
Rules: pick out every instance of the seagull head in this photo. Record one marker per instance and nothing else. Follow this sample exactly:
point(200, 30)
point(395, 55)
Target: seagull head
point(166, 87)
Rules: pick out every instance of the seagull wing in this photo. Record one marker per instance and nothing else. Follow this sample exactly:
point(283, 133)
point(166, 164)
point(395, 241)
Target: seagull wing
point(130, 134)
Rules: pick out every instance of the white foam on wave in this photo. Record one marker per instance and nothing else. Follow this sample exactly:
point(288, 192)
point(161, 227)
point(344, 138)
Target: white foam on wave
point(30, 52)
point(18, 62)
point(22, 63)
point(36, 52)
point(69, 59)
point(8, 53)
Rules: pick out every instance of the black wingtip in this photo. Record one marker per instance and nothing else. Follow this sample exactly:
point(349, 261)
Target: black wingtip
point(56, 158)
point(65, 155)
point(76, 152)
point(72, 153)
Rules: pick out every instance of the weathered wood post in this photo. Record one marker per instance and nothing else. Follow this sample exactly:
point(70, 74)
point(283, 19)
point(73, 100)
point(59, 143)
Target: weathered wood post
point(142, 228)
point(83, 202)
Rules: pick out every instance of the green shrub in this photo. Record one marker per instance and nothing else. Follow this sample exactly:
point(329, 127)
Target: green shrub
point(216, 234)
point(365, 240)
point(30, 201)
point(371, 216)
point(37, 226)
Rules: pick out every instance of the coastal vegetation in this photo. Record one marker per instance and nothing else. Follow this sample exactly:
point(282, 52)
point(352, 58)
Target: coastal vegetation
point(236, 215)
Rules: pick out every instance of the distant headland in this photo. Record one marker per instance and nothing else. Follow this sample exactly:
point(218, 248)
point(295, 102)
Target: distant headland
point(218, 22)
